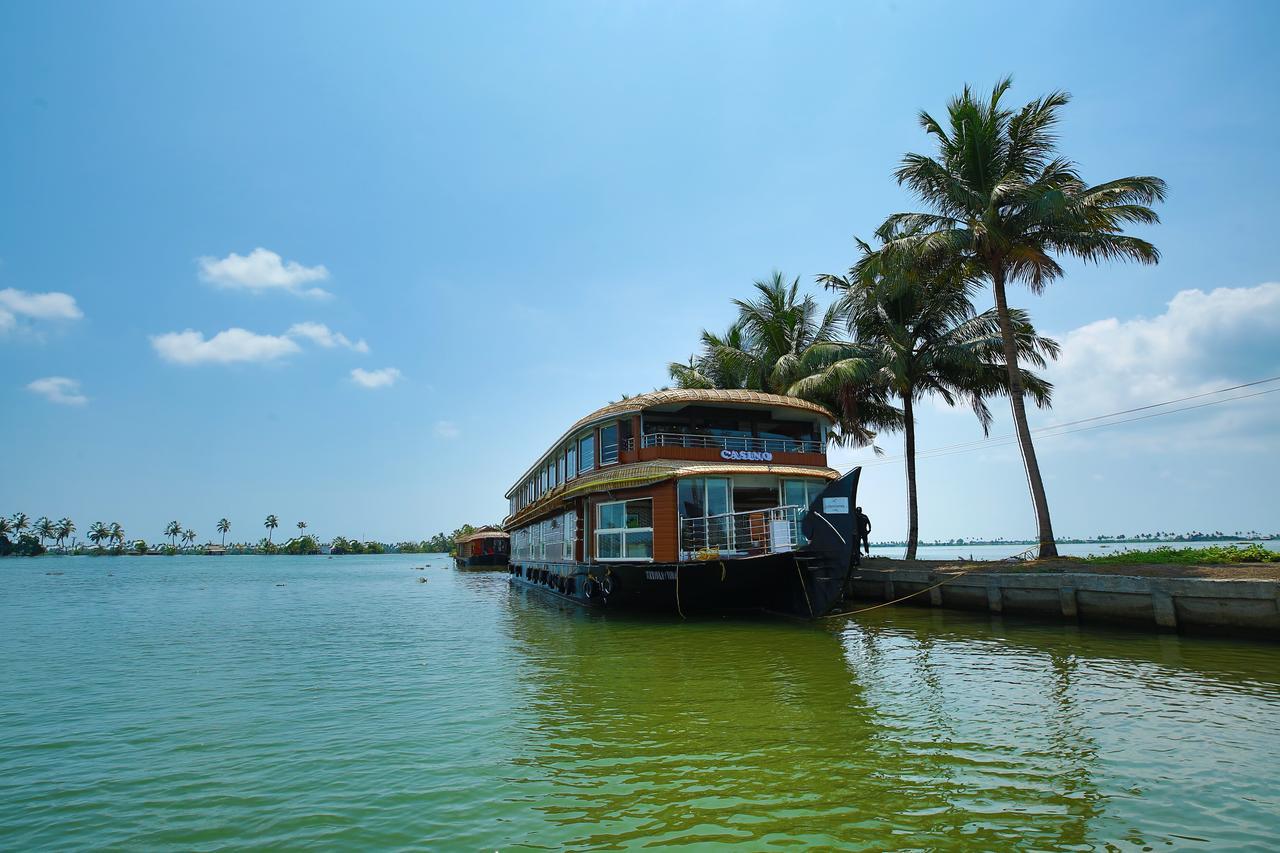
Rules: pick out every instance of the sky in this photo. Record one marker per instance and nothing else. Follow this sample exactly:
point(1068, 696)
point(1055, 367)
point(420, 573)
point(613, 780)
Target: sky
point(359, 264)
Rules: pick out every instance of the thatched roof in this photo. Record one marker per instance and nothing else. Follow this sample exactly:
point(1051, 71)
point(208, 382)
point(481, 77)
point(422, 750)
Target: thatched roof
point(486, 532)
point(678, 397)
point(647, 473)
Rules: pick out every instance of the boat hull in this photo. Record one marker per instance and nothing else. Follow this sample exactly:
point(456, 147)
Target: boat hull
point(794, 583)
point(481, 562)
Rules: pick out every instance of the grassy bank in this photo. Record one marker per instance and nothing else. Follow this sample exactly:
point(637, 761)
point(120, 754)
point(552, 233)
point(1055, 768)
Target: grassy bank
point(1212, 555)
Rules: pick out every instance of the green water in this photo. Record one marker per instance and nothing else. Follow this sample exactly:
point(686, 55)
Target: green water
point(203, 703)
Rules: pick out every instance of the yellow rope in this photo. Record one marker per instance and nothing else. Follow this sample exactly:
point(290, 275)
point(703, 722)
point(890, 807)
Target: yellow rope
point(803, 588)
point(678, 610)
point(896, 600)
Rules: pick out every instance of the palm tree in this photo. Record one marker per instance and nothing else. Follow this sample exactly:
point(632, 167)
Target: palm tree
point(302, 525)
point(65, 528)
point(97, 532)
point(173, 530)
point(778, 339)
point(20, 523)
point(189, 536)
point(916, 325)
point(1002, 199)
point(6, 527)
point(223, 527)
point(271, 524)
point(44, 529)
point(116, 533)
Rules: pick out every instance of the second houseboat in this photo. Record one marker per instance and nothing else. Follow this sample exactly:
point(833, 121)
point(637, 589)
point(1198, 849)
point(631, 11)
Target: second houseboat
point(689, 501)
point(486, 548)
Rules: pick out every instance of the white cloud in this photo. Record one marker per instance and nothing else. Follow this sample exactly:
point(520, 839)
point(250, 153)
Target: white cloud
point(381, 378)
point(59, 389)
point(36, 306)
point(261, 270)
point(1202, 342)
point(322, 335)
point(226, 347)
point(447, 429)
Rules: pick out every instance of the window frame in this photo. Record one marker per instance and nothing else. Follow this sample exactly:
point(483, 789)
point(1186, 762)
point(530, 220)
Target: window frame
point(597, 530)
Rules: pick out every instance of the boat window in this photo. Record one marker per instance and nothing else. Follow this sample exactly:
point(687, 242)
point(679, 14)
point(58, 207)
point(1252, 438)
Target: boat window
point(624, 530)
point(609, 444)
point(571, 462)
point(586, 452)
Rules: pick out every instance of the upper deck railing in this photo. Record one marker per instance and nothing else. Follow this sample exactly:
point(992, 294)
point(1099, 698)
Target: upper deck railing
point(727, 442)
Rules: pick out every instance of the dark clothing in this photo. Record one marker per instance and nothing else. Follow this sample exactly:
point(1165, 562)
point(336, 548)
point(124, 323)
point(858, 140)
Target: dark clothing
point(864, 532)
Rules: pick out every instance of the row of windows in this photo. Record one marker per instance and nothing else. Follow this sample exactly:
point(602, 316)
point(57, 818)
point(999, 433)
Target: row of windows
point(624, 531)
point(577, 457)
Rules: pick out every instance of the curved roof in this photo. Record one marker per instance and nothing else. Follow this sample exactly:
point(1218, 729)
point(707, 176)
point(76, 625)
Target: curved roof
point(636, 474)
point(486, 532)
point(679, 396)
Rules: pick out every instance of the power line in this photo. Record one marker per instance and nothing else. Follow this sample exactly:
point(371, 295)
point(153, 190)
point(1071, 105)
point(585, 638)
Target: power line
point(1057, 429)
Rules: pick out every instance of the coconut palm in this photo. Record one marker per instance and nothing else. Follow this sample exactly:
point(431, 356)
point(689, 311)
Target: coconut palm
point(271, 524)
point(779, 338)
point(6, 527)
point(1001, 198)
point(915, 325)
point(173, 530)
point(66, 527)
point(223, 527)
point(98, 532)
point(116, 533)
point(44, 529)
point(302, 526)
point(189, 536)
point(20, 522)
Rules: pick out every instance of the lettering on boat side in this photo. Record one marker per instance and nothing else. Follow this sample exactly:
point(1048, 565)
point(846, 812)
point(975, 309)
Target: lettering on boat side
point(835, 506)
point(747, 455)
point(653, 575)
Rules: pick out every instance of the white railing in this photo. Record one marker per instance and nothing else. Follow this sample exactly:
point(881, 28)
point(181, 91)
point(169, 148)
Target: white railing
point(741, 534)
point(730, 442)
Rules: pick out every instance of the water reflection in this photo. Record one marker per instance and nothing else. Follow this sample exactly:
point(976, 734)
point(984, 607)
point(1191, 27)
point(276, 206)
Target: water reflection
point(912, 728)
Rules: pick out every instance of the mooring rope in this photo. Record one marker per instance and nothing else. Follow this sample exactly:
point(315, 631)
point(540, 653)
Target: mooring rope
point(678, 608)
point(803, 588)
point(899, 599)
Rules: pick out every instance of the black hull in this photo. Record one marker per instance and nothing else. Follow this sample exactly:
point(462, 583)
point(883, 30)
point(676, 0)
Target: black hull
point(482, 562)
point(792, 583)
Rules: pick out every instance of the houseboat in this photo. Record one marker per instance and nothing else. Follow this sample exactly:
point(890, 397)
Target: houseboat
point(689, 500)
point(486, 548)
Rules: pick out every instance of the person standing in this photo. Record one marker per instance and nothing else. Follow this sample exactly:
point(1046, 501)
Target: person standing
point(864, 531)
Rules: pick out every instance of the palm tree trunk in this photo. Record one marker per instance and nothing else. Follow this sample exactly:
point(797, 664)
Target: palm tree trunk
point(1048, 548)
point(913, 509)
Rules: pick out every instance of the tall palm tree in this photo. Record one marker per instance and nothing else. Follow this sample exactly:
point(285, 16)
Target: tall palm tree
point(1002, 198)
point(722, 363)
point(271, 524)
point(189, 536)
point(20, 522)
point(116, 533)
point(6, 527)
point(44, 529)
point(173, 530)
point(65, 528)
point(916, 326)
point(97, 532)
point(223, 527)
point(302, 525)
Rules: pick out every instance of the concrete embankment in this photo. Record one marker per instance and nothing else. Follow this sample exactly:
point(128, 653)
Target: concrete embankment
point(1170, 600)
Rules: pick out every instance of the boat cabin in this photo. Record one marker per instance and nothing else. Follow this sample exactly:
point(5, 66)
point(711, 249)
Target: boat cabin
point(673, 476)
point(487, 547)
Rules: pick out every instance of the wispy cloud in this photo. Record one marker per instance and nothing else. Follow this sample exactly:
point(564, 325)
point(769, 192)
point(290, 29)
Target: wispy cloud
point(322, 335)
point(381, 378)
point(35, 306)
point(189, 347)
point(59, 389)
point(262, 270)
point(447, 429)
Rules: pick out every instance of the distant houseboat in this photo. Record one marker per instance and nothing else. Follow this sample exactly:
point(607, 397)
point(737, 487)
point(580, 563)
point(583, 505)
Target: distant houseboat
point(486, 548)
point(689, 500)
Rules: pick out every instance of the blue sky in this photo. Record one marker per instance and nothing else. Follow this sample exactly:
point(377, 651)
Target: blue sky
point(517, 212)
